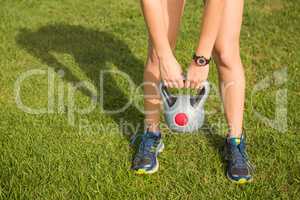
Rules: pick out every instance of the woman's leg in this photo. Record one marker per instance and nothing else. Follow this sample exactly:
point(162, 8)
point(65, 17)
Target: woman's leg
point(231, 73)
point(172, 16)
point(232, 84)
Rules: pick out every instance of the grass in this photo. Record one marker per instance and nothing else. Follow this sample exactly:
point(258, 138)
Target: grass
point(44, 156)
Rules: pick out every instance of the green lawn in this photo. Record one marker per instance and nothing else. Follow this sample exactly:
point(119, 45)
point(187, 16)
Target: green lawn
point(67, 155)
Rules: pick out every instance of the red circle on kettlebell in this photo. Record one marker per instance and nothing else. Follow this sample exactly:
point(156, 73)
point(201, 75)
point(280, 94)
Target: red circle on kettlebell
point(181, 119)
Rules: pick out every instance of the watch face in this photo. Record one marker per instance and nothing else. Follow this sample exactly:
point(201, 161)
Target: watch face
point(201, 61)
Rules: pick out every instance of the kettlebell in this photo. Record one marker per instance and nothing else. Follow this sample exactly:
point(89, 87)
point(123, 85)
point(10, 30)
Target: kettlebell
point(184, 113)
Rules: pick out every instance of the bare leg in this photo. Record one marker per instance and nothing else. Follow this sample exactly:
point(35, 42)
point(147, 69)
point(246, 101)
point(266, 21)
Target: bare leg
point(231, 72)
point(172, 12)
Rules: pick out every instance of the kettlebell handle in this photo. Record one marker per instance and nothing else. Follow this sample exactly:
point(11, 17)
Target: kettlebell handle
point(200, 98)
point(197, 100)
point(166, 96)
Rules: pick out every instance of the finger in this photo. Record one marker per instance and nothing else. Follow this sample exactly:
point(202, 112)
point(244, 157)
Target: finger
point(174, 83)
point(187, 84)
point(192, 84)
point(165, 83)
point(180, 84)
point(170, 84)
point(199, 85)
point(196, 83)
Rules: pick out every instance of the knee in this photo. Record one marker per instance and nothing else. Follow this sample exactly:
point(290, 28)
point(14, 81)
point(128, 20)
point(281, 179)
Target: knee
point(227, 55)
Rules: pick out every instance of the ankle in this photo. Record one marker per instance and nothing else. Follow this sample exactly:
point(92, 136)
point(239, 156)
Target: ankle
point(234, 134)
point(152, 126)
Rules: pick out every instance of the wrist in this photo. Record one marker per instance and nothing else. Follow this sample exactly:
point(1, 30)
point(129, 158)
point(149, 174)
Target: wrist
point(194, 65)
point(165, 55)
point(203, 51)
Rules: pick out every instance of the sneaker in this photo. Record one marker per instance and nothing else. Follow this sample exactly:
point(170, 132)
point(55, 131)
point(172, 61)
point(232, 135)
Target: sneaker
point(239, 168)
point(145, 160)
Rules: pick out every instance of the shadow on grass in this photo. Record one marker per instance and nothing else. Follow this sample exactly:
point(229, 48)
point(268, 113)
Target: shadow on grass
point(92, 51)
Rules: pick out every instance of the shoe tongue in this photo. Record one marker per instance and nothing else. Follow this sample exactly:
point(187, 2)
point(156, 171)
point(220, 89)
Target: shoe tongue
point(234, 141)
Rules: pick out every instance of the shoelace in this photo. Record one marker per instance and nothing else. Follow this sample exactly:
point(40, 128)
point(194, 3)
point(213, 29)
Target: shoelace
point(147, 144)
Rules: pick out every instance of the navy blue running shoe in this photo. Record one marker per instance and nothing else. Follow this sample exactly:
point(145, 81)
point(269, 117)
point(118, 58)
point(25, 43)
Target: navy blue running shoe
point(239, 168)
point(145, 160)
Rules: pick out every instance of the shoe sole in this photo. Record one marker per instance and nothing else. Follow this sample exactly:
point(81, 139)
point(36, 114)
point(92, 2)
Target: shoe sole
point(241, 181)
point(155, 169)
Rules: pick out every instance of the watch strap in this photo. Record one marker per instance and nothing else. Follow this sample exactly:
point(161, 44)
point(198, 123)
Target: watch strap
point(196, 58)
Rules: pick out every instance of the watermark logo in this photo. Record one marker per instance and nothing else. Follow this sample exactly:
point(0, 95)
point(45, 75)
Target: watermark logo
point(277, 79)
point(58, 101)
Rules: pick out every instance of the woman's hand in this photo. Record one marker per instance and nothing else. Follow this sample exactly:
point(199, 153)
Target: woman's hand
point(171, 72)
point(196, 75)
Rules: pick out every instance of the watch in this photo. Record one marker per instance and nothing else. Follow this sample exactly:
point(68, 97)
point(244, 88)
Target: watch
point(201, 61)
